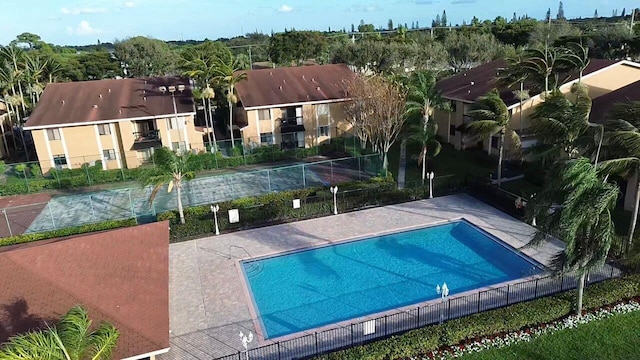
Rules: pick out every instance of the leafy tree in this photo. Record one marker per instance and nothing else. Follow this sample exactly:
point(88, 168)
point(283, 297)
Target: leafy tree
point(71, 339)
point(560, 15)
point(99, 65)
point(491, 117)
point(467, 51)
point(575, 205)
point(32, 40)
point(175, 168)
point(143, 56)
point(296, 46)
point(364, 28)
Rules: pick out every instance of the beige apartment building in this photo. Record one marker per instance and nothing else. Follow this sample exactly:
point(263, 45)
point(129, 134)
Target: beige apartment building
point(117, 123)
point(293, 107)
point(463, 89)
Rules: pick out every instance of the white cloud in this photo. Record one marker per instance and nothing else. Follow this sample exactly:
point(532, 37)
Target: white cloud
point(84, 28)
point(129, 4)
point(285, 9)
point(84, 10)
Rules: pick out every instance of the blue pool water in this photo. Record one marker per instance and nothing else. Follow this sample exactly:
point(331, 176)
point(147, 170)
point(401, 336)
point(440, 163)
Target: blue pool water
point(316, 287)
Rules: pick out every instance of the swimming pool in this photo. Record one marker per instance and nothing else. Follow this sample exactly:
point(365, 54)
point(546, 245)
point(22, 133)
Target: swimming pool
point(316, 287)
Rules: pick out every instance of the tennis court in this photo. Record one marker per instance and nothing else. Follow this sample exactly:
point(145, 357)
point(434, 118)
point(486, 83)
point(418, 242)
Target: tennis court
point(74, 210)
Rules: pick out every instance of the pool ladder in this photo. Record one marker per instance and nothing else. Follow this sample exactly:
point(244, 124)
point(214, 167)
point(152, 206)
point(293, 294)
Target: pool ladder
point(251, 268)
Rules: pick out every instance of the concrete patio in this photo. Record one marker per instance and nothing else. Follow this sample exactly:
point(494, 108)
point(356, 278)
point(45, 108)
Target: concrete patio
point(208, 306)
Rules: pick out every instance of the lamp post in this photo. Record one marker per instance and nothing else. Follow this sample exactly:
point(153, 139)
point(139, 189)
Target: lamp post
point(443, 292)
point(600, 143)
point(245, 342)
point(334, 191)
point(431, 175)
point(214, 210)
point(172, 90)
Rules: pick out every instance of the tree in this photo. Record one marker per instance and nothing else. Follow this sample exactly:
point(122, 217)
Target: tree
point(228, 73)
point(296, 46)
point(595, 14)
point(560, 15)
point(548, 16)
point(623, 139)
point(99, 65)
point(427, 136)
point(443, 18)
point(71, 339)
point(390, 25)
point(376, 111)
point(143, 56)
point(173, 169)
point(32, 40)
point(491, 117)
point(422, 99)
point(575, 205)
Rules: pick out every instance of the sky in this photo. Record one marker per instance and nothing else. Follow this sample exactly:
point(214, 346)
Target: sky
point(75, 22)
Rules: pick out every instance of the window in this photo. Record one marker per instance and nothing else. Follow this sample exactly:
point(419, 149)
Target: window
point(452, 130)
point(322, 110)
point(453, 105)
point(176, 123)
point(59, 160)
point(109, 154)
point(266, 138)
point(179, 146)
point(264, 114)
point(103, 129)
point(53, 134)
point(495, 142)
point(324, 131)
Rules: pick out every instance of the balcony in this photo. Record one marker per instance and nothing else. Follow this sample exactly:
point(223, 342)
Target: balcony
point(291, 124)
point(146, 139)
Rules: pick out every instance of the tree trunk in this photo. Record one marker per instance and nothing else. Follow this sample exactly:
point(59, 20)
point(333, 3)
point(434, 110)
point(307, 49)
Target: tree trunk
point(500, 157)
point(385, 161)
point(231, 123)
point(24, 110)
point(424, 162)
point(179, 193)
point(206, 119)
point(634, 217)
point(213, 127)
point(580, 293)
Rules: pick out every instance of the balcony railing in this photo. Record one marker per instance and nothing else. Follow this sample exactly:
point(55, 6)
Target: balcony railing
point(151, 135)
point(291, 121)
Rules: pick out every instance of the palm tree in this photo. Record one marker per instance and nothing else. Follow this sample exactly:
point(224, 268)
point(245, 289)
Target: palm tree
point(427, 137)
point(174, 168)
point(229, 72)
point(561, 126)
point(623, 138)
point(199, 64)
point(491, 117)
point(15, 56)
point(70, 339)
point(422, 99)
point(583, 203)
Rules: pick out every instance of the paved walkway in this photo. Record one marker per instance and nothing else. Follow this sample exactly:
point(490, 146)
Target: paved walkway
point(208, 307)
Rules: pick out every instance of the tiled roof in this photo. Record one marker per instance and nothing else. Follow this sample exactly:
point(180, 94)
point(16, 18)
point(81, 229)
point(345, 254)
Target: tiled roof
point(293, 85)
point(112, 99)
point(120, 276)
point(469, 85)
point(602, 105)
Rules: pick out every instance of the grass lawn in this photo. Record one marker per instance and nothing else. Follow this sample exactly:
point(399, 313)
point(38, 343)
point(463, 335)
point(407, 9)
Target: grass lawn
point(617, 337)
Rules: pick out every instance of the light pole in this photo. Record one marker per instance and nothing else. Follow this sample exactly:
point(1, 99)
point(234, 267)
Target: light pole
point(172, 90)
point(444, 292)
point(334, 191)
point(245, 342)
point(600, 143)
point(431, 175)
point(214, 210)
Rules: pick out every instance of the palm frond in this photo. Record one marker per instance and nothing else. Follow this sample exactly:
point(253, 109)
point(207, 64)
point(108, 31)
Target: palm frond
point(103, 341)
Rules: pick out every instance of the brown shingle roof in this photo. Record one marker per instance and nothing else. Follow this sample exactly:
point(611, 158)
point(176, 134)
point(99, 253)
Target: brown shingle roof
point(602, 106)
point(293, 85)
point(120, 276)
point(112, 99)
point(469, 85)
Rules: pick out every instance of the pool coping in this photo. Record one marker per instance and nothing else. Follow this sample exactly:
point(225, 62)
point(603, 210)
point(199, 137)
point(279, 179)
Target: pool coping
point(258, 326)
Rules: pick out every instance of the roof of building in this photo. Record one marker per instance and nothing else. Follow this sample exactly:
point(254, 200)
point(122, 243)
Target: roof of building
point(73, 103)
point(120, 276)
point(602, 105)
point(294, 85)
point(469, 85)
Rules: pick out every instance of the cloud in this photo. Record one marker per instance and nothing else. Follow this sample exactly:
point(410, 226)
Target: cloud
point(84, 10)
point(129, 4)
point(365, 8)
point(285, 9)
point(455, 2)
point(84, 28)
point(425, 2)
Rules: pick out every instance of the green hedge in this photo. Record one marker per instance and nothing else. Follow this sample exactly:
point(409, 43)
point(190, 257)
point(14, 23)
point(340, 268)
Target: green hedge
point(105, 225)
point(511, 318)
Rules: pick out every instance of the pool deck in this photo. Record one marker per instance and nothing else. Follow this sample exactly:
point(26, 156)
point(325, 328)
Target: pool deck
point(208, 304)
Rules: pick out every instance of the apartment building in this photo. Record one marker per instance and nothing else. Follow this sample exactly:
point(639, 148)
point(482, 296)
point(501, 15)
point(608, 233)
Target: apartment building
point(116, 122)
point(293, 107)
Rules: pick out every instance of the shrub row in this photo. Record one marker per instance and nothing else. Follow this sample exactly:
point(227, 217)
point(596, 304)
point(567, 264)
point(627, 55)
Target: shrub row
point(508, 319)
point(105, 225)
point(277, 208)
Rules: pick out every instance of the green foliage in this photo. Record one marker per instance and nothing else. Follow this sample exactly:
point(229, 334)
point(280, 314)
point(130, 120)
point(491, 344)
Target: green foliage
point(35, 170)
point(417, 342)
point(146, 57)
point(21, 170)
point(296, 46)
point(3, 167)
point(83, 229)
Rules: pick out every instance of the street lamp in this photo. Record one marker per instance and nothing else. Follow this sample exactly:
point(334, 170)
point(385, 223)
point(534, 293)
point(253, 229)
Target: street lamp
point(431, 175)
point(600, 143)
point(334, 191)
point(214, 210)
point(245, 342)
point(172, 90)
point(443, 292)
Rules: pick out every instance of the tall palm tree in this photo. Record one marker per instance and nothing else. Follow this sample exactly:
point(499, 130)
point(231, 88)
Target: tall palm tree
point(623, 138)
point(199, 64)
point(582, 218)
point(422, 99)
point(174, 168)
point(71, 339)
point(491, 117)
point(427, 137)
point(229, 72)
point(15, 57)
